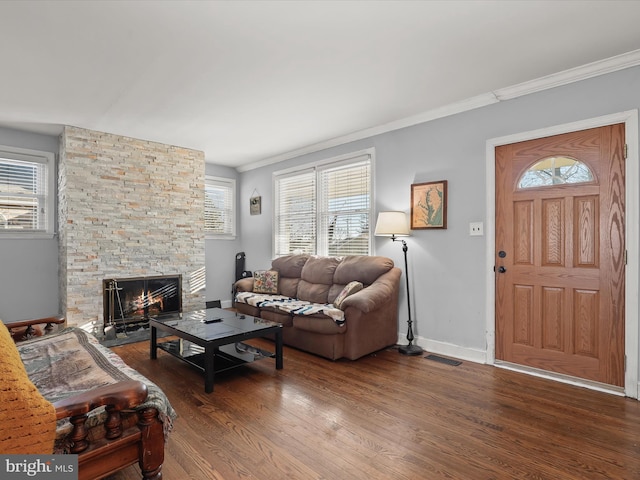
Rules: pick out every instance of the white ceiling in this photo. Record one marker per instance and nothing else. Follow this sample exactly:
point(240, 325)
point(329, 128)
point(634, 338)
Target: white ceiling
point(252, 81)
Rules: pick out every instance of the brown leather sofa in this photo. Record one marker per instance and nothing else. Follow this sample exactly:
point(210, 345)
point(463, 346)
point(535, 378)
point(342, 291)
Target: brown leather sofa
point(370, 315)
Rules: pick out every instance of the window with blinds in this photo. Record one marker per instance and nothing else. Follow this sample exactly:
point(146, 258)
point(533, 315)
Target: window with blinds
point(325, 209)
point(295, 216)
point(25, 202)
point(219, 207)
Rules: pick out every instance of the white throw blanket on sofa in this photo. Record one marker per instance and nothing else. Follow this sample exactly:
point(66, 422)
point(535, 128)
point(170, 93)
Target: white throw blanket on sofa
point(291, 305)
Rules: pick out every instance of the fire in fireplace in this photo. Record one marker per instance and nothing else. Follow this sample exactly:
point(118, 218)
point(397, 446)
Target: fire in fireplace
point(135, 300)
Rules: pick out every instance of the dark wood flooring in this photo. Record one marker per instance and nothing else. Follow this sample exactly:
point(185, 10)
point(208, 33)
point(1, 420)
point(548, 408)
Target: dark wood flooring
point(387, 416)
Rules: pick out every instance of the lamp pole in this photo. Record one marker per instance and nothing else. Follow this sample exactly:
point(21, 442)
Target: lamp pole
point(409, 349)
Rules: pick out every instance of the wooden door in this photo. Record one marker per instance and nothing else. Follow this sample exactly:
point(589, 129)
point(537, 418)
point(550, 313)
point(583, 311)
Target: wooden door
point(560, 254)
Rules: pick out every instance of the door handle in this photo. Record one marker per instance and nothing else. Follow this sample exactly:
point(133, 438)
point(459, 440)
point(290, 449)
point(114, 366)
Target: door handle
point(501, 269)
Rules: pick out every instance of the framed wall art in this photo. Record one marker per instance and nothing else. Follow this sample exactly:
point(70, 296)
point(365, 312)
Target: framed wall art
point(255, 205)
point(429, 205)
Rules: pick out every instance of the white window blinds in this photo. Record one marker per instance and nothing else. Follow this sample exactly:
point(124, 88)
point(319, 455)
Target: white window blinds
point(219, 207)
point(295, 216)
point(344, 209)
point(23, 195)
point(325, 210)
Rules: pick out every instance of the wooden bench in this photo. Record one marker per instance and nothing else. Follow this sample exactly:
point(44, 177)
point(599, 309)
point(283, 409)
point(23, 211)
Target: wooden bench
point(123, 420)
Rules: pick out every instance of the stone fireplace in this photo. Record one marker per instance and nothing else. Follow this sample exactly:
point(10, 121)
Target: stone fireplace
point(127, 208)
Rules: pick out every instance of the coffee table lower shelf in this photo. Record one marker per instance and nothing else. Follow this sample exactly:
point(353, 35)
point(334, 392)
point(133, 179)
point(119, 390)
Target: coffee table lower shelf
point(226, 357)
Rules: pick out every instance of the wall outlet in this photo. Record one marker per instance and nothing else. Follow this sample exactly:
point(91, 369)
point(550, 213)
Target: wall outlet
point(476, 229)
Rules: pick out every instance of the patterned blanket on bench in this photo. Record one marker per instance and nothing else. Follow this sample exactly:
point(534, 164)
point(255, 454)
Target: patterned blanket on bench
point(291, 305)
point(72, 361)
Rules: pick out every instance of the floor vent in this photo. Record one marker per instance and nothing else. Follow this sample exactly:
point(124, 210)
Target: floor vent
point(446, 361)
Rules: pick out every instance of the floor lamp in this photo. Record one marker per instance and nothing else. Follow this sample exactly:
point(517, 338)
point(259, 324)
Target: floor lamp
point(394, 224)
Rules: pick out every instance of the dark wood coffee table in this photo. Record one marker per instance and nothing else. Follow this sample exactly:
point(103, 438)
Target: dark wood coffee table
point(211, 340)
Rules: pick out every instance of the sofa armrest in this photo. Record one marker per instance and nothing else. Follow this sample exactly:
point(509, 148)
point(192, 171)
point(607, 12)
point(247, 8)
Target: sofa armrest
point(24, 329)
point(375, 295)
point(244, 285)
point(36, 321)
point(120, 396)
point(115, 398)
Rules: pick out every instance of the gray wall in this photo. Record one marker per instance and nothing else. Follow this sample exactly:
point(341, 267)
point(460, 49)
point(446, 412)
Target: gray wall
point(28, 268)
point(446, 267)
point(220, 254)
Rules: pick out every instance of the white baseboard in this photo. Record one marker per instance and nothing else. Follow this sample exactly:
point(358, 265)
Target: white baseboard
point(448, 349)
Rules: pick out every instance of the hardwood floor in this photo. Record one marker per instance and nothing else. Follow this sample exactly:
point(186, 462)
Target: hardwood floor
point(387, 416)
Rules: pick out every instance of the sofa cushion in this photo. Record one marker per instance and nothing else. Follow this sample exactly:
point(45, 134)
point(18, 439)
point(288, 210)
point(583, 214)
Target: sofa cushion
point(272, 314)
point(349, 289)
point(28, 420)
point(290, 306)
point(247, 309)
point(288, 286)
point(265, 281)
point(318, 324)
point(316, 278)
point(313, 292)
point(320, 269)
point(290, 265)
point(363, 268)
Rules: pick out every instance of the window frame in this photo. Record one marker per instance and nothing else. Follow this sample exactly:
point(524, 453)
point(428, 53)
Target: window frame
point(551, 159)
point(48, 159)
point(318, 168)
point(228, 183)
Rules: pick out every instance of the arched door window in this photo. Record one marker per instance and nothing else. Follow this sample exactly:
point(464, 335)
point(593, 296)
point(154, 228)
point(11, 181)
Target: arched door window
point(552, 171)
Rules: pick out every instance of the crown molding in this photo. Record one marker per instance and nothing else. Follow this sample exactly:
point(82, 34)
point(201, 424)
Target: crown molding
point(583, 72)
point(445, 111)
point(590, 70)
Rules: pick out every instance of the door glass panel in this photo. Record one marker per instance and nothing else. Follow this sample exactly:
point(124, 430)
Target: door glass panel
point(555, 171)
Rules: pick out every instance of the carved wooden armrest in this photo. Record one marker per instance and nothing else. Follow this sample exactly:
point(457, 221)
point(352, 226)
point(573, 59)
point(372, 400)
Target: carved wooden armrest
point(30, 331)
point(116, 397)
point(121, 396)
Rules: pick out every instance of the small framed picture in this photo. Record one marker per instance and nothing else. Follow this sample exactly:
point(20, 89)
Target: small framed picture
point(429, 205)
point(255, 205)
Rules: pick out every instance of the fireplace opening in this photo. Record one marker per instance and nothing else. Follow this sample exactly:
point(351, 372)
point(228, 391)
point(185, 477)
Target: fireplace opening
point(130, 302)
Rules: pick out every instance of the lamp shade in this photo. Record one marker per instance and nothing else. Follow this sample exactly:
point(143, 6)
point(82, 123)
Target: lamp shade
point(392, 224)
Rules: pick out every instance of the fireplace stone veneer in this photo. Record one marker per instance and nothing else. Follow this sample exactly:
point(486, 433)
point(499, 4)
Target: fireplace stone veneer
point(127, 208)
